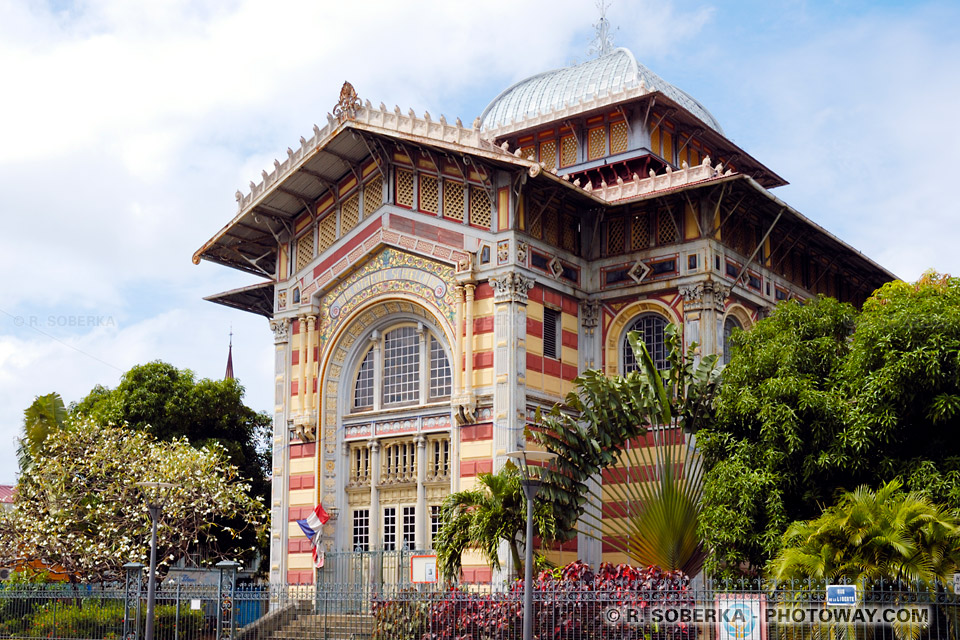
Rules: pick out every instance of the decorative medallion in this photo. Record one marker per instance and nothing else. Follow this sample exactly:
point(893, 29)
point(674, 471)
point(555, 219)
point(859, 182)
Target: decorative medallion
point(503, 252)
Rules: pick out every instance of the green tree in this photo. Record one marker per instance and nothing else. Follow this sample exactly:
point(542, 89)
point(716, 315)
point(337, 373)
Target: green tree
point(484, 517)
point(885, 534)
point(819, 398)
point(598, 429)
point(78, 508)
point(45, 415)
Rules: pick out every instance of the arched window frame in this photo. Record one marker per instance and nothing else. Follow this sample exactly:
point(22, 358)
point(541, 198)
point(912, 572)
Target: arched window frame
point(626, 352)
point(434, 378)
point(730, 323)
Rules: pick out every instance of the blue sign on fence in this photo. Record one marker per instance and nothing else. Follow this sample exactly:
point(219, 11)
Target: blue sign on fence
point(841, 595)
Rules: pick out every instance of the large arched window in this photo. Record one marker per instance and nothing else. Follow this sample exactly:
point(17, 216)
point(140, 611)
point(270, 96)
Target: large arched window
point(651, 326)
point(729, 325)
point(404, 365)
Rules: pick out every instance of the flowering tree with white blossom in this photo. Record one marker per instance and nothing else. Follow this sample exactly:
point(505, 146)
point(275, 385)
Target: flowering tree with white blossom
point(78, 508)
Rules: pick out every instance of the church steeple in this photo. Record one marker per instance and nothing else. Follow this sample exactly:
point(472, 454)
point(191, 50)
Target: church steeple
point(229, 374)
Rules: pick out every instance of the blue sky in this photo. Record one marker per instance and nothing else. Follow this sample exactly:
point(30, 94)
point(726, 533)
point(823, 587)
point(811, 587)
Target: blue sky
point(127, 127)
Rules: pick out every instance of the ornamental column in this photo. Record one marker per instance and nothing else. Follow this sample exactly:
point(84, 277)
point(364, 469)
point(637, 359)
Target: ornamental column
point(311, 336)
point(703, 305)
point(420, 536)
point(302, 366)
point(375, 542)
point(280, 498)
point(589, 546)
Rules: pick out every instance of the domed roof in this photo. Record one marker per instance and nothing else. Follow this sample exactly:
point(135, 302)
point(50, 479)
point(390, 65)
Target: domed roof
point(560, 88)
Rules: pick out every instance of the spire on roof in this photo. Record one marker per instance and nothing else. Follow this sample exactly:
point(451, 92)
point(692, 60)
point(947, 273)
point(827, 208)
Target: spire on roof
point(603, 42)
point(229, 374)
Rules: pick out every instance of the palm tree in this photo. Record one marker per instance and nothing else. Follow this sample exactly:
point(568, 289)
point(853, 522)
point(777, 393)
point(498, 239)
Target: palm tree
point(654, 493)
point(884, 534)
point(483, 517)
point(45, 415)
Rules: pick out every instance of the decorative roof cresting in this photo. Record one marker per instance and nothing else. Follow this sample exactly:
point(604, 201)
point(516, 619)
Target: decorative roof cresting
point(561, 91)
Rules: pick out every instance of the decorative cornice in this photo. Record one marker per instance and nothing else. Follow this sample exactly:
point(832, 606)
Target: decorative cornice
point(511, 287)
point(624, 189)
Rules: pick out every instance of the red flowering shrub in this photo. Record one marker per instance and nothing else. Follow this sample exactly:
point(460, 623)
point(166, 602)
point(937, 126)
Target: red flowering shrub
point(570, 603)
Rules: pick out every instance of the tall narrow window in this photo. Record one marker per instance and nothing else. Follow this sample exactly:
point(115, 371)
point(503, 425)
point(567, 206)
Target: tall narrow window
point(441, 379)
point(390, 528)
point(434, 523)
point(729, 325)
point(361, 530)
point(551, 333)
point(410, 527)
point(651, 326)
point(363, 390)
point(401, 366)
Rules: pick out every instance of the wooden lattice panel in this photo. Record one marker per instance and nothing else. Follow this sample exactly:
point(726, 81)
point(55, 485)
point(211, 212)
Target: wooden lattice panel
point(548, 154)
point(568, 151)
point(405, 188)
point(372, 195)
point(615, 236)
point(536, 227)
point(328, 232)
point(618, 137)
point(596, 143)
point(349, 214)
point(453, 203)
point(429, 194)
point(480, 214)
point(551, 227)
point(639, 232)
point(304, 250)
point(528, 153)
point(570, 234)
point(667, 228)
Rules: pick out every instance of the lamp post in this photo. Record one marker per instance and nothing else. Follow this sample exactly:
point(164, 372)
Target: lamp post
point(531, 486)
point(154, 509)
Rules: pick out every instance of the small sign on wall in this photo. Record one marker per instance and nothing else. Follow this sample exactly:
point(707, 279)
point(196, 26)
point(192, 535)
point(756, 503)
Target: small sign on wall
point(841, 595)
point(423, 569)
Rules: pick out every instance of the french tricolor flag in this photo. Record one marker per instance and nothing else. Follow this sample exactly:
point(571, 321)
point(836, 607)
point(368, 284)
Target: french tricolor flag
point(312, 528)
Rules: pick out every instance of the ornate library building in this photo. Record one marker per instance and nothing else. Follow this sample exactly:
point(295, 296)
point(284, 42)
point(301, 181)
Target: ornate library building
point(431, 284)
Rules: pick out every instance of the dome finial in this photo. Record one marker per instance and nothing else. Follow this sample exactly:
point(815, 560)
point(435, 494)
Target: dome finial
point(603, 42)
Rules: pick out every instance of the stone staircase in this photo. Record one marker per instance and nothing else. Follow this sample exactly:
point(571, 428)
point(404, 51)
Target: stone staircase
point(332, 626)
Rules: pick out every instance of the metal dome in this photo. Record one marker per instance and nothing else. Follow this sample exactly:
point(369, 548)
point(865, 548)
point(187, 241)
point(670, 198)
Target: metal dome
point(560, 88)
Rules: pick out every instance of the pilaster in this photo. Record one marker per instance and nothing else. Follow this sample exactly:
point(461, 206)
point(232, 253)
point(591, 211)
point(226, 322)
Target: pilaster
point(703, 304)
point(279, 497)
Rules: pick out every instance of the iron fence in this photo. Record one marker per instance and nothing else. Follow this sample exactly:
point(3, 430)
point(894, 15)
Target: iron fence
point(337, 607)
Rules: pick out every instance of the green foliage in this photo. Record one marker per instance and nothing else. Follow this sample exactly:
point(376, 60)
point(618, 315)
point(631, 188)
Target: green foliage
point(102, 619)
point(598, 428)
point(170, 403)
point(78, 508)
point(870, 535)
point(819, 398)
point(493, 512)
point(44, 416)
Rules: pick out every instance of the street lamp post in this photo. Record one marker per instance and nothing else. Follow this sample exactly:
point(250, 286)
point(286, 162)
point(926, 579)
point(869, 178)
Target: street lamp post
point(154, 509)
point(531, 487)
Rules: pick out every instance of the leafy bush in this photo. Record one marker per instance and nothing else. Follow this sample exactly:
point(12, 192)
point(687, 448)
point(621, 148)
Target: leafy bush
point(569, 603)
point(96, 619)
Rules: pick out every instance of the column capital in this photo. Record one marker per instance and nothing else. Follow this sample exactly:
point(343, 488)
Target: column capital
point(374, 445)
point(590, 314)
point(511, 287)
point(281, 330)
point(705, 295)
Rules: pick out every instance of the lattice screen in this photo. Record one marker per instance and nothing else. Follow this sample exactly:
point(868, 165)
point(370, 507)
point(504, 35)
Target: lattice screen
point(548, 154)
point(372, 195)
point(528, 153)
point(615, 236)
point(639, 231)
point(479, 207)
point(568, 151)
point(328, 232)
point(429, 194)
point(667, 228)
point(618, 137)
point(453, 203)
point(570, 234)
point(596, 143)
point(536, 227)
point(551, 227)
point(349, 214)
point(405, 188)
point(304, 249)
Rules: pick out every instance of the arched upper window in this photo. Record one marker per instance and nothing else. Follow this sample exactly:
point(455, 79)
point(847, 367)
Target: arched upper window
point(404, 365)
point(651, 326)
point(729, 325)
